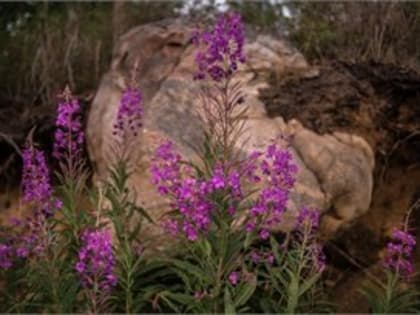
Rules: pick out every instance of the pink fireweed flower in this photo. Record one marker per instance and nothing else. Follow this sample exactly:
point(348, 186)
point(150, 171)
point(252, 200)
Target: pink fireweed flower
point(257, 257)
point(399, 253)
point(269, 258)
point(308, 218)
point(69, 136)
point(36, 184)
point(22, 252)
point(130, 113)
point(96, 261)
point(35, 176)
point(188, 194)
point(278, 169)
point(233, 278)
point(192, 196)
point(218, 179)
point(222, 48)
point(166, 169)
point(6, 256)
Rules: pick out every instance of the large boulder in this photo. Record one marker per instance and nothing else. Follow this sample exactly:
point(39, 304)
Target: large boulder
point(335, 170)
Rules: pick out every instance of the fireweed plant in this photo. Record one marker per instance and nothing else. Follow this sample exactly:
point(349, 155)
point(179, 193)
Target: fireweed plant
point(72, 174)
point(124, 215)
point(217, 213)
point(95, 268)
point(78, 230)
point(292, 270)
point(397, 294)
point(50, 282)
point(34, 244)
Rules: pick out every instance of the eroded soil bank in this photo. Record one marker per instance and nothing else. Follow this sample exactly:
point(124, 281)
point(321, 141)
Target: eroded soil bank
point(379, 102)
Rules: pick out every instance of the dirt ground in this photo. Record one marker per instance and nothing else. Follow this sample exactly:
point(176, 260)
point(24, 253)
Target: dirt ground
point(379, 102)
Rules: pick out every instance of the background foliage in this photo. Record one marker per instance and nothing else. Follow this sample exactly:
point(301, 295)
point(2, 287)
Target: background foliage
point(45, 45)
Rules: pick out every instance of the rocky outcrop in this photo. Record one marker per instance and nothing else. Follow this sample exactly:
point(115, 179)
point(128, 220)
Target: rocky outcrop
point(332, 166)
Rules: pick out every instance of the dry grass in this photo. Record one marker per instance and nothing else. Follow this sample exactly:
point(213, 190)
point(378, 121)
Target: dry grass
point(380, 31)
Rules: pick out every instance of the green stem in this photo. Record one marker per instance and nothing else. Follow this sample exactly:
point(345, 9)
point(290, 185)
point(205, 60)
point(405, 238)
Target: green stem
point(129, 281)
point(389, 294)
point(293, 298)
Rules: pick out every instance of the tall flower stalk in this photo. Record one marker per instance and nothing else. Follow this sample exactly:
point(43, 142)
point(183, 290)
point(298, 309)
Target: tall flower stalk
point(292, 270)
point(217, 210)
point(128, 122)
point(69, 135)
point(220, 51)
point(95, 267)
point(36, 243)
point(37, 192)
point(399, 253)
point(397, 294)
point(123, 216)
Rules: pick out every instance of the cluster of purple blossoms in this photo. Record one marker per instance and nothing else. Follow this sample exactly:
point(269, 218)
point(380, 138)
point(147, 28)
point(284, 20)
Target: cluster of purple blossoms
point(399, 253)
point(257, 257)
point(278, 169)
point(32, 238)
point(36, 183)
point(193, 196)
point(6, 256)
point(223, 48)
point(308, 218)
point(36, 191)
point(188, 193)
point(130, 113)
point(96, 261)
point(230, 177)
point(69, 136)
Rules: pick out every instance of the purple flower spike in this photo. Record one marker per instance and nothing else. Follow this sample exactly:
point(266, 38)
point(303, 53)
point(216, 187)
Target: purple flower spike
point(36, 184)
point(278, 167)
point(308, 217)
point(6, 256)
point(69, 136)
point(399, 253)
point(222, 48)
point(130, 113)
point(37, 191)
point(96, 261)
point(190, 195)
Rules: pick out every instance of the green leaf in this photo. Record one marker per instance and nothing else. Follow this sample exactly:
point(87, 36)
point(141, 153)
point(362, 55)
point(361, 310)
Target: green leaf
point(229, 306)
point(245, 292)
point(171, 305)
point(308, 284)
point(181, 298)
point(193, 270)
point(292, 293)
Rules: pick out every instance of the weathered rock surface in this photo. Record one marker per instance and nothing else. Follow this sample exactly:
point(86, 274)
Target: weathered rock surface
point(335, 169)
